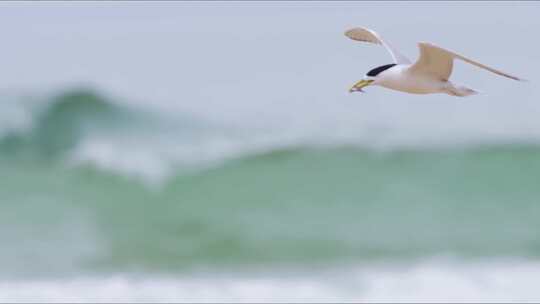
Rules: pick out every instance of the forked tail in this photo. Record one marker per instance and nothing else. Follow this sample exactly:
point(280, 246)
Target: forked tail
point(458, 90)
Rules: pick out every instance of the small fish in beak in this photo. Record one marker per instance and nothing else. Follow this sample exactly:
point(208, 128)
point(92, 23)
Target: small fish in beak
point(357, 87)
point(356, 90)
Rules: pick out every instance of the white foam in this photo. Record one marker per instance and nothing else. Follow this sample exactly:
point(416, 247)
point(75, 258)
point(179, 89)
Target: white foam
point(432, 281)
point(155, 158)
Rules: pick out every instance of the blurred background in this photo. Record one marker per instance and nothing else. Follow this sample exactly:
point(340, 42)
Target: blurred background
point(210, 151)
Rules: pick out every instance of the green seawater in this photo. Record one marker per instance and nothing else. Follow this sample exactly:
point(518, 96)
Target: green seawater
point(297, 206)
point(301, 205)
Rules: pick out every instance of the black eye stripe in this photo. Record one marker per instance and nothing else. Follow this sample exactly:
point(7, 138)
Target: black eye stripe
point(376, 71)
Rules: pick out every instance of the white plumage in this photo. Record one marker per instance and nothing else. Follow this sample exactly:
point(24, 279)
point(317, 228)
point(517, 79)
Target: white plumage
point(429, 74)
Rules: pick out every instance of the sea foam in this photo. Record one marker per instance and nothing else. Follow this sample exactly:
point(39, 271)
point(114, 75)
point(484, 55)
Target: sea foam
point(429, 281)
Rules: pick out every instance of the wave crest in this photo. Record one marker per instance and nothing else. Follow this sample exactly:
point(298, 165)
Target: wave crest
point(60, 125)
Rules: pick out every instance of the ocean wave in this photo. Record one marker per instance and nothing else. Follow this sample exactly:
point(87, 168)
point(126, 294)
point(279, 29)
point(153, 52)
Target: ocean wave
point(232, 195)
point(83, 127)
point(58, 124)
point(290, 206)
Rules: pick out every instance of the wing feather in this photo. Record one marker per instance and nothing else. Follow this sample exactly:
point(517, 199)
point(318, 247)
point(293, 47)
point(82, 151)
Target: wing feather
point(436, 61)
point(367, 35)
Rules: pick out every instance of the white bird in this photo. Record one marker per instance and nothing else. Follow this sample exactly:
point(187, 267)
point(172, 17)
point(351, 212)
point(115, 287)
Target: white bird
point(429, 74)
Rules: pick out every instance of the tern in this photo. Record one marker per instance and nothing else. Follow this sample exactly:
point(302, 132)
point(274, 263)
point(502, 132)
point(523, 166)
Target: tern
point(428, 75)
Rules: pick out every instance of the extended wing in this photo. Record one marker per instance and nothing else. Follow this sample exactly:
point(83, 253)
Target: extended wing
point(438, 62)
point(367, 35)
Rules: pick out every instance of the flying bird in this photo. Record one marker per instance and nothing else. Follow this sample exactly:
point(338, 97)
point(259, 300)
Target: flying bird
point(429, 74)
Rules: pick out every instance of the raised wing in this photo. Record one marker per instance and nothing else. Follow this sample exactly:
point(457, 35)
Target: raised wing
point(438, 62)
point(367, 35)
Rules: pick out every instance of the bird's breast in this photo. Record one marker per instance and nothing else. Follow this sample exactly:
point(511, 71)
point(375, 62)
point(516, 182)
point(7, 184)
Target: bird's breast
point(399, 79)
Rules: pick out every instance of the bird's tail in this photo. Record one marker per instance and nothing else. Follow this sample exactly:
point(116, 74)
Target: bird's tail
point(459, 90)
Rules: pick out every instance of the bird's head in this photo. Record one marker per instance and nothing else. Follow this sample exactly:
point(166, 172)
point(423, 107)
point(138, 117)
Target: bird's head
point(371, 78)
